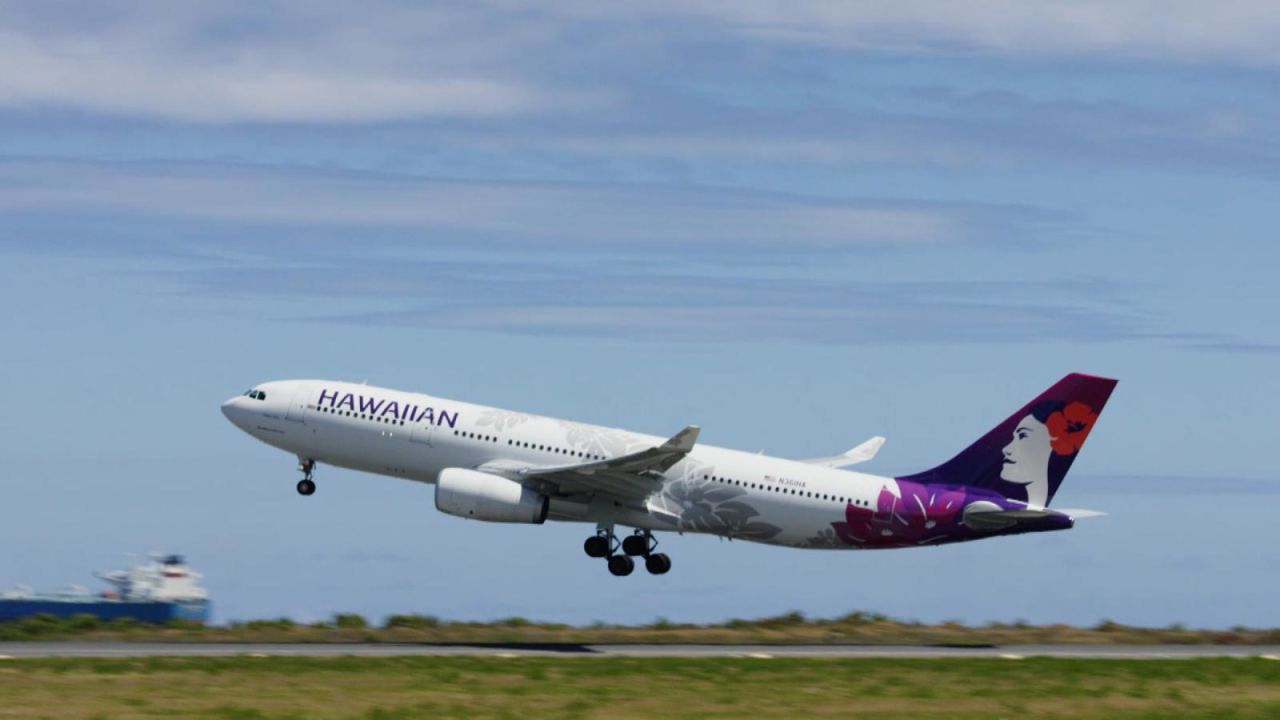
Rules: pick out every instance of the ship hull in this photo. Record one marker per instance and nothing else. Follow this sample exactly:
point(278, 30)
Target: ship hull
point(151, 612)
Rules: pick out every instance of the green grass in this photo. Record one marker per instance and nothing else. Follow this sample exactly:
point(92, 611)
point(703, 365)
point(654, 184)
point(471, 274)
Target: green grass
point(278, 688)
point(790, 628)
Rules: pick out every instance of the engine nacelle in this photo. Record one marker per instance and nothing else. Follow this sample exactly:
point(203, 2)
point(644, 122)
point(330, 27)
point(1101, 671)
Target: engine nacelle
point(481, 496)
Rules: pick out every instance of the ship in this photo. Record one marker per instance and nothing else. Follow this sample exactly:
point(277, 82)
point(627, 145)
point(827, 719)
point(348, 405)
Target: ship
point(161, 590)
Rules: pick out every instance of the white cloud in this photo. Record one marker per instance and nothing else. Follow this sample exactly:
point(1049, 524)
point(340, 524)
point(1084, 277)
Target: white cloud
point(300, 63)
point(74, 75)
point(545, 213)
point(1230, 31)
point(292, 61)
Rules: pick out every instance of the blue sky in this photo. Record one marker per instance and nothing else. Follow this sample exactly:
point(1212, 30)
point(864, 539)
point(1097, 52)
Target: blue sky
point(797, 224)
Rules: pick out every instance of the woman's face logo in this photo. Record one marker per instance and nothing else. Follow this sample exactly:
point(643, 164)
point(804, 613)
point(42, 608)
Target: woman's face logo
point(1026, 457)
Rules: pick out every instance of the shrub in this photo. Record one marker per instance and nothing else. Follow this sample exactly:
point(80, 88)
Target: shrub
point(412, 622)
point(795, 617)
point(283, 623)
point(349, 621)
point(124, 623)
point(42, 624)
point(83, 622)
point(857, 617)
point(1107, 626)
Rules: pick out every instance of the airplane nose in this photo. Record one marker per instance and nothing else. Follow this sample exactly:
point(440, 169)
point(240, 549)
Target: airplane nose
point(230, 410)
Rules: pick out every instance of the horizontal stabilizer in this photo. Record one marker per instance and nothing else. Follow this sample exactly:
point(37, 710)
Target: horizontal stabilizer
point(985, 515)
point(1078, 513)
point(859, 454)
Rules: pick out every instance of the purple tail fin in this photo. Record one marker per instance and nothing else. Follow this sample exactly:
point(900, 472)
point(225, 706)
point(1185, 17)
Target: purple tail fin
point(1026, 456)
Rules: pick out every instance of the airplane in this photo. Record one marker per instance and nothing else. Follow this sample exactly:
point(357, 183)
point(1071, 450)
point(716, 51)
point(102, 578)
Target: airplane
point(504, 466)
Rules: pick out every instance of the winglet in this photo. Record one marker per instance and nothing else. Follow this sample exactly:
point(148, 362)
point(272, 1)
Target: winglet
point(684, 440)
point(865, 451)
point(853, 456)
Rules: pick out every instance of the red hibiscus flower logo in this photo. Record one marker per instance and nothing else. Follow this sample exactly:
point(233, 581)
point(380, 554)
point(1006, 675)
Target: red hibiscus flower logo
point(1070, 426)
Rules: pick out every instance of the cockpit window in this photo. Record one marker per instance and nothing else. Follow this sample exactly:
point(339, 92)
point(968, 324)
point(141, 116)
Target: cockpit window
point(262, 395)
point(255, 394)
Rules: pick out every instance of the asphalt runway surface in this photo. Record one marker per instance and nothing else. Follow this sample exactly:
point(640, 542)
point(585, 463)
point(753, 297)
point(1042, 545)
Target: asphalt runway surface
point(14, 650)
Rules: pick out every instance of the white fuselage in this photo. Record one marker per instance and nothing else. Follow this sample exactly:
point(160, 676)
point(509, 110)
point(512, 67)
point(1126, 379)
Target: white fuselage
point(413, 436)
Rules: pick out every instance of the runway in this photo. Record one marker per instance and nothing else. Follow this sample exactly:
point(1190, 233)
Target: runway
point(18, 650)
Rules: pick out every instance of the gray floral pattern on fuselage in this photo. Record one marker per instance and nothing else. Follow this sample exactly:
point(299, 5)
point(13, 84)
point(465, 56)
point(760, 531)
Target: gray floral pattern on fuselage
point(502, 420)
point(704, 505)
point(603, 442)
point(824, 539)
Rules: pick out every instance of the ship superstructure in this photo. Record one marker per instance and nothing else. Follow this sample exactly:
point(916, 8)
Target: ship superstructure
point(162, 589)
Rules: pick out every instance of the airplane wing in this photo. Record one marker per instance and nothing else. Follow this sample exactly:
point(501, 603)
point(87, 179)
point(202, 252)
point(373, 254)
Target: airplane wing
point(859, 454)
point(629, 478)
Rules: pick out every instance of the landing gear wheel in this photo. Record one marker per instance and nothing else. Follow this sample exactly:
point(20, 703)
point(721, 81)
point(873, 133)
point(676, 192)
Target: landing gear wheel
point(621, 565)
point(306, 486)
point(636, 545)
point(657, 564)
point(596, 546)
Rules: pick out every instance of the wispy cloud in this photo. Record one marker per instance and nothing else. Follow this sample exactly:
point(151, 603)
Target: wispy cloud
point(1184, 31)
point(288, 61)
point(273, 62)
point(624, 261)
point(655, 301)
point(660, 90)
point(1174, 485)
point(508, 213)
point(1228, 344)
point(923, 127)
point(893, 319)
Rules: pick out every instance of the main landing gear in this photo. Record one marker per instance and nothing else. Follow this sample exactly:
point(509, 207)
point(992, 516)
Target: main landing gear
point(306, 486)
point(604, 544)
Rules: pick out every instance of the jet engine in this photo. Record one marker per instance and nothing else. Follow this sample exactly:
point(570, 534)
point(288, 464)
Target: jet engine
point(481, 496)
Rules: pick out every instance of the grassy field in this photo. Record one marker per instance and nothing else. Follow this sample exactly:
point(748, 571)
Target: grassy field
point(854, 628)
point(248, 688)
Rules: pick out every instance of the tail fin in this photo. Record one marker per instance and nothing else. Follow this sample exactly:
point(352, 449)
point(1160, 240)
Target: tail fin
point(1026, 456)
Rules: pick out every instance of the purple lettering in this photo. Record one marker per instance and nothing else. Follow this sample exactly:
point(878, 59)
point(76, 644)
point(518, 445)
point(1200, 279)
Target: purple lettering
point(427, 414)
point(367, 405)
point(409, 412)
point(348, 400)
point(326, 395)
point(392, 409)
point(445, 417)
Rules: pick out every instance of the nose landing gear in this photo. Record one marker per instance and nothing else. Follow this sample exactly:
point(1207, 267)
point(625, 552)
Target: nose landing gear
point(306, 486)
point(604, 544)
